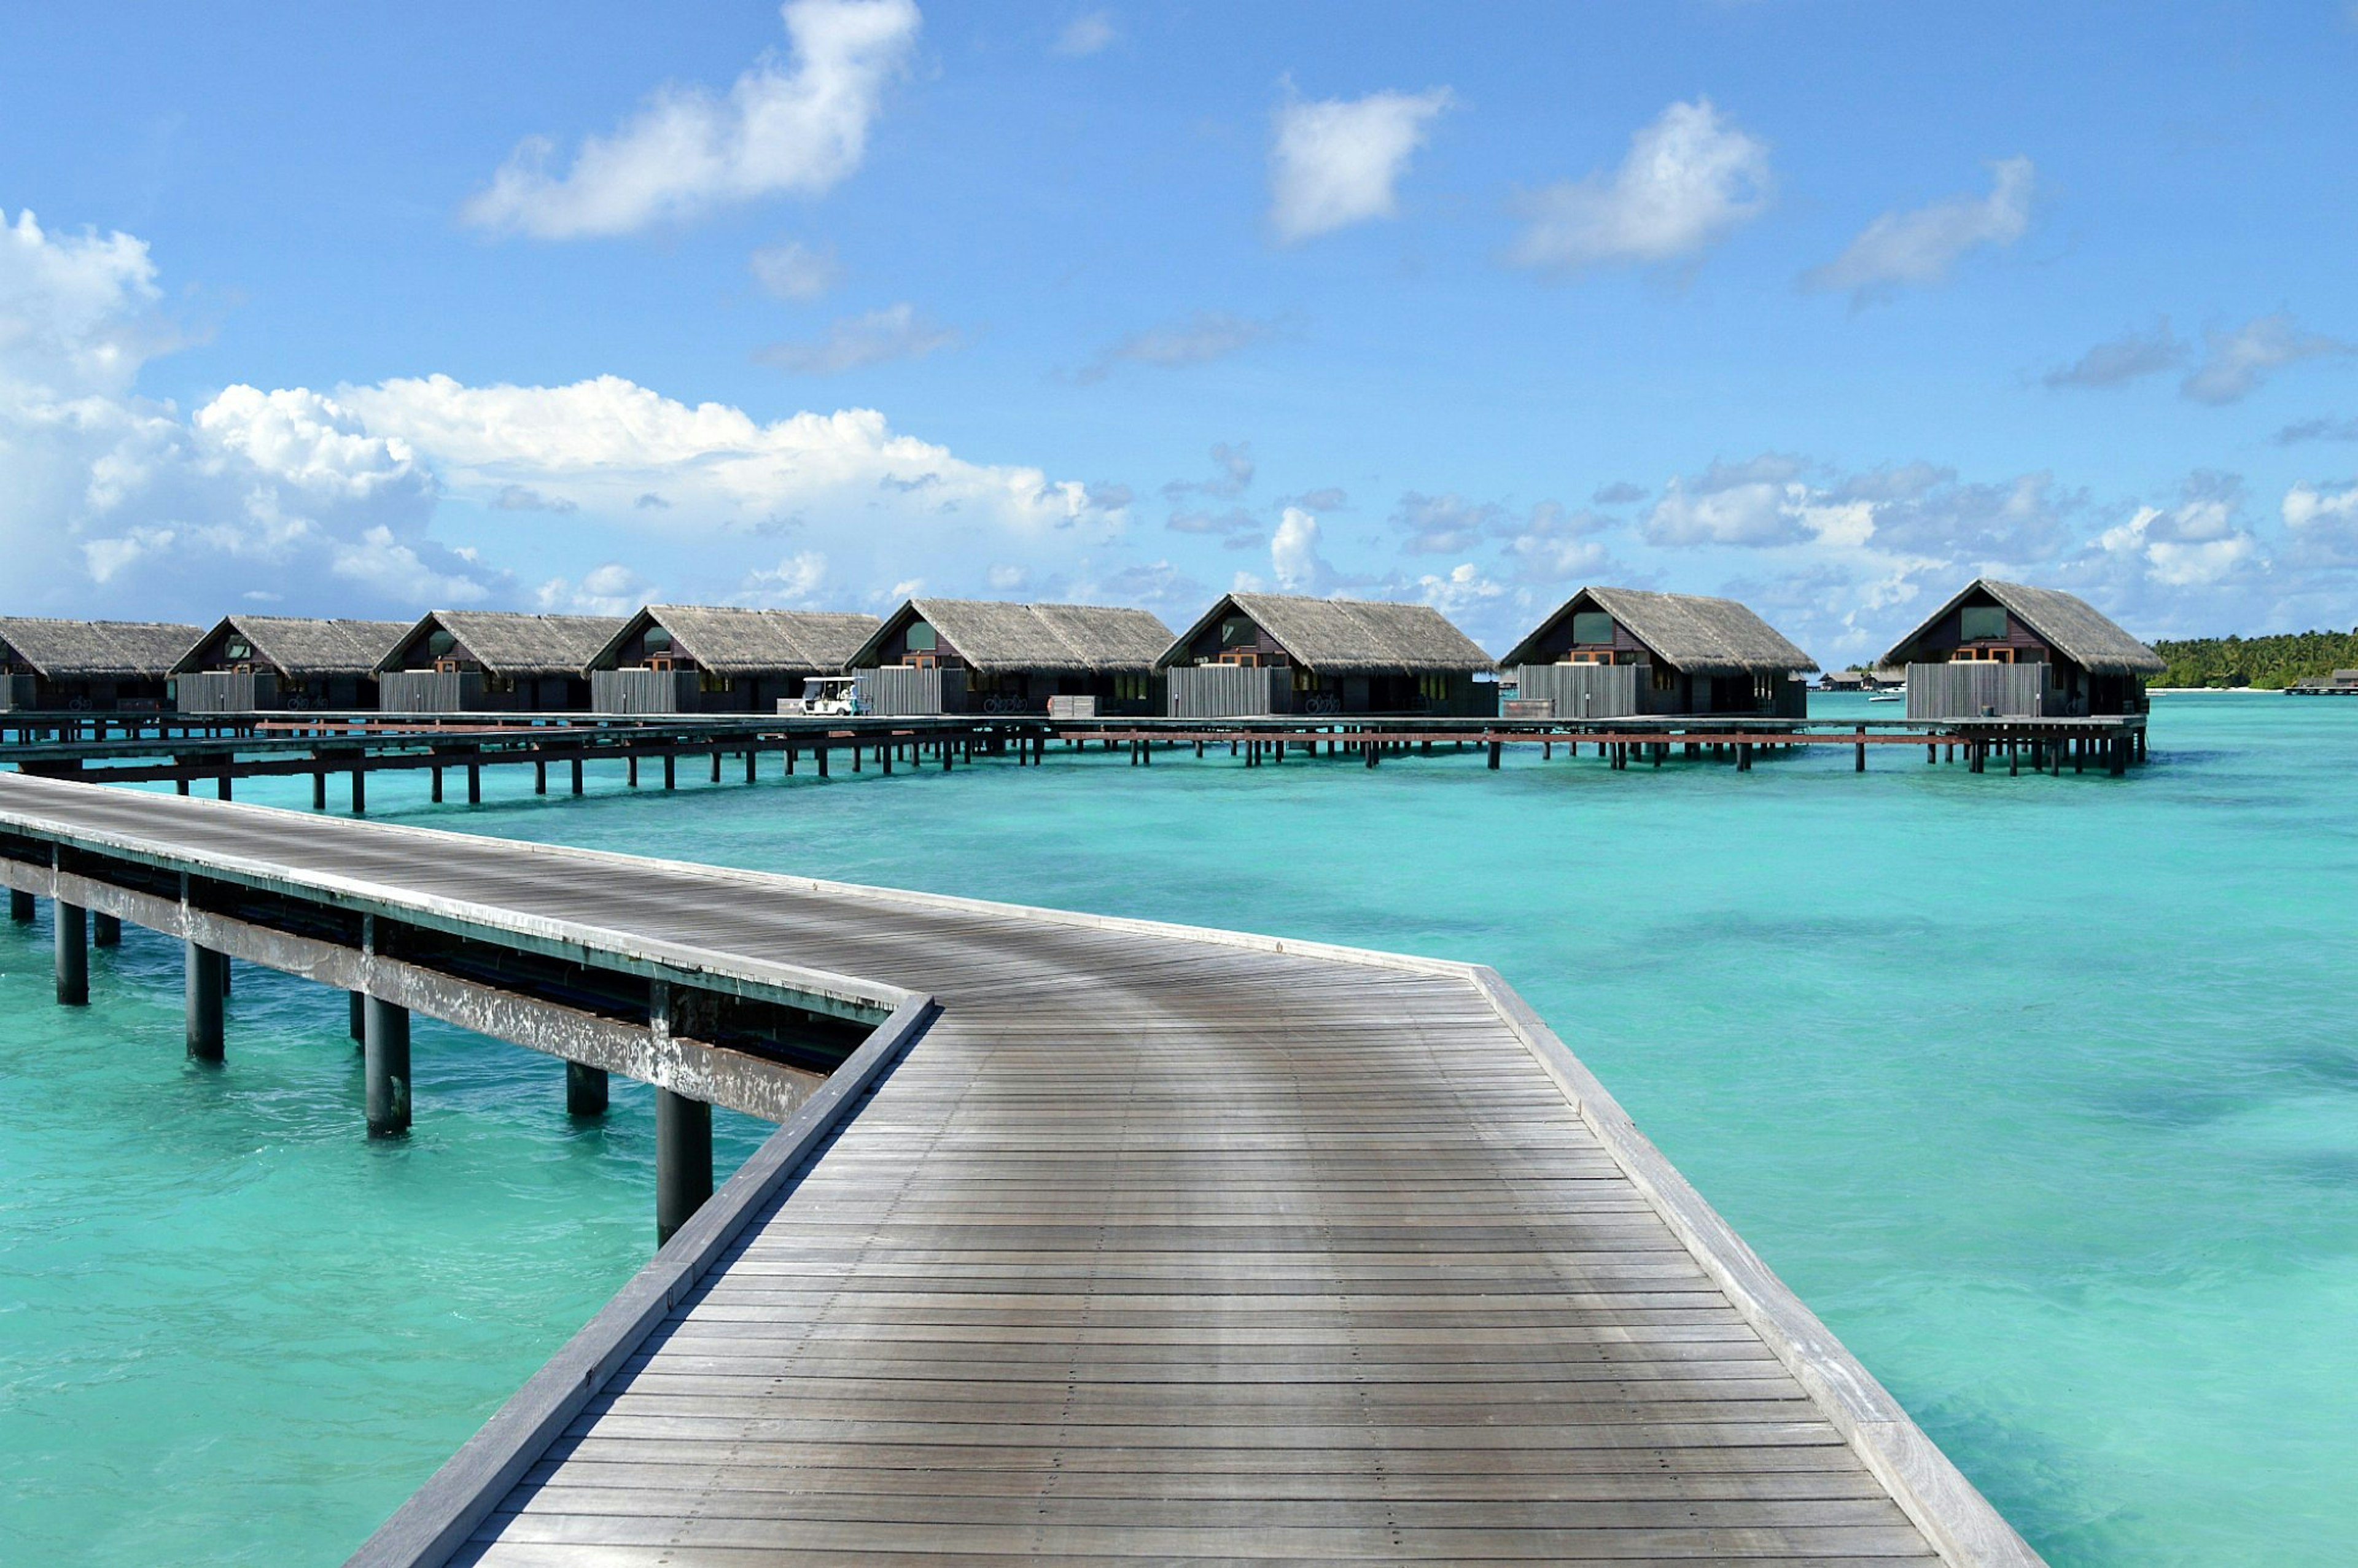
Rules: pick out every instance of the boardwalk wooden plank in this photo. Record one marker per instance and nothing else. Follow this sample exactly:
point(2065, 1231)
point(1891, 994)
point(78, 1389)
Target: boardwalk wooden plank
point(1158, 1246)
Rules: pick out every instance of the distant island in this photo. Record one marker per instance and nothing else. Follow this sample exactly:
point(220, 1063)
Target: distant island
point(2269, 663)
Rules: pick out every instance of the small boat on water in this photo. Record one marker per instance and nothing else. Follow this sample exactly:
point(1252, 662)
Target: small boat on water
point(1897, 693)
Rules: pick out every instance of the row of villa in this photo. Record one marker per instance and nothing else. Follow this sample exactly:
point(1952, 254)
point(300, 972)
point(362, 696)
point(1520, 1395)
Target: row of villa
point(1995, 648)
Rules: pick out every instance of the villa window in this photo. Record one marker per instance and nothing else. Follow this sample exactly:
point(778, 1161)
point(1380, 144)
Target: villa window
point(1980, 623)
point(1592, 627)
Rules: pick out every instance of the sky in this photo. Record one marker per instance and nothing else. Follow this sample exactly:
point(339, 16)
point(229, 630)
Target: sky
point(1828, 306)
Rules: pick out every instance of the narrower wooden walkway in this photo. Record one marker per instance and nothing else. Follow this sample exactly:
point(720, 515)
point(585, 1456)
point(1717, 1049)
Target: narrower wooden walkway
point(1162, 1246)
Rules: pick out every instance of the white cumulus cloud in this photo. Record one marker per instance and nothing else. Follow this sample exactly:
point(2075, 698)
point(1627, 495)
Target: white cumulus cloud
point(1753, 503)
point(776, 131)
point(1294, 554)
point(1689, 178)
point(75, 311)
point(1919, 248)
point(1338, 161)
point(610, 589)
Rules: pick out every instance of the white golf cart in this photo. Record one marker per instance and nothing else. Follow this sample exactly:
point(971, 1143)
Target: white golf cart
point(826, 696)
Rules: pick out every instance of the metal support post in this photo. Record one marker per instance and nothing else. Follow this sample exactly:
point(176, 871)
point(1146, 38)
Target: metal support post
point(585, 1089)
point(683, 1160)
point(105, 931)
point(20, 905)
point(72, 930)
point(207, 989)
point(385, 1044)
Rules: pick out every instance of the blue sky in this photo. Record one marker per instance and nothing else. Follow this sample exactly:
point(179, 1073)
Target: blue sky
point(1827, 306)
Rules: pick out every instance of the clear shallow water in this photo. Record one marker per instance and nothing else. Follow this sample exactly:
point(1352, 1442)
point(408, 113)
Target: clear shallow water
point(2044, 1093)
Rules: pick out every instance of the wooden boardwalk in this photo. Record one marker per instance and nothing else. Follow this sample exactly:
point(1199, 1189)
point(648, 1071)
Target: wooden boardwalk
point(1167, 1246)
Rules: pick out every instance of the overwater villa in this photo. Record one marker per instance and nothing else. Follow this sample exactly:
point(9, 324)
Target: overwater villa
point(79, 666)
point(2005, 650)
point(1256, 654)
point(465, 661)
point(1612, 653)
point(246, 664)
point(683, 658)
point(972, 655)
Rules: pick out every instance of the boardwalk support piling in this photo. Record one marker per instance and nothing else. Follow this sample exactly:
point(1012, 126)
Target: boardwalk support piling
point(73, 954)
point(208, 987)
point(105, 931)
point(585, 1089)
point(20, 906)
point(683, 1160)
point(386, 1069)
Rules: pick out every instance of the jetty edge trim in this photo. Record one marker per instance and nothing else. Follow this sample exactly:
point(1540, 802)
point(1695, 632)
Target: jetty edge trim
point(440, 1517)
point(1960, 1523)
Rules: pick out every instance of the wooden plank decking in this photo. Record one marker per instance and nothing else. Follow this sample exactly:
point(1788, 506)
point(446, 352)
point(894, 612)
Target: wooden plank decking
point(1162, 1246)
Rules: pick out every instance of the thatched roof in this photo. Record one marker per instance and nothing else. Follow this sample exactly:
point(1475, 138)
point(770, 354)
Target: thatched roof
point(507, 643)
point(1054, 639)
point(298, 646)
point(1690, 631)
point(2065, 621)
point(1347, 636)
point(735, 642)
point(102, 650)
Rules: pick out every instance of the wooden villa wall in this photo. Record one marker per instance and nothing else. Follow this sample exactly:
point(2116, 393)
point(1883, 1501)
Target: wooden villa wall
point(1582, 691)
point(644, 691)
point(1229, 691)
point(224, 691)
point(1970, 689)
point(899, 691)
point(429, 691)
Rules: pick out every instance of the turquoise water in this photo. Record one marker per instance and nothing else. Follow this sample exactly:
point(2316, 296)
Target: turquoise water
point(2043, 1093)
